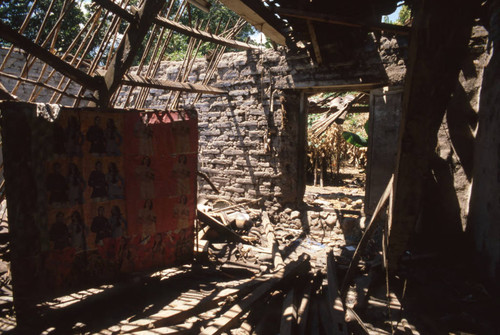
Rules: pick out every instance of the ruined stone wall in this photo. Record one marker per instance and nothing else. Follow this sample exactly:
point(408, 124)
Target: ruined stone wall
point(250, 143)
point(251, 140)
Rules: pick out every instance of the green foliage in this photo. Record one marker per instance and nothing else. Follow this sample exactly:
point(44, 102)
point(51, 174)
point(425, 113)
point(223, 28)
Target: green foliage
point(218, 16)
point(355, 139)
point(404, 15)
point(13, 13)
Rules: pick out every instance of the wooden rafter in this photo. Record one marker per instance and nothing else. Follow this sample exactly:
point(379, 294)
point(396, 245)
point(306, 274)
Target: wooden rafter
point(5, 95)
point(117, 10)
point(314, 41)
point(255, 13)
point(128, 48)
point(327, 18)
point(177, 27)
point(204, 5)
point(202, 35)
point(88, 81)
point(41, 84)
point(321, 110)
point(140, 81)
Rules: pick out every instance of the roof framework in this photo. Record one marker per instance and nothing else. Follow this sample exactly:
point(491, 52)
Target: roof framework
point(99, 60)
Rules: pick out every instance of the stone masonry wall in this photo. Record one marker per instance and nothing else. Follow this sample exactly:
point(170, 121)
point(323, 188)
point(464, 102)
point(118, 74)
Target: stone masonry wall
point(250, 139)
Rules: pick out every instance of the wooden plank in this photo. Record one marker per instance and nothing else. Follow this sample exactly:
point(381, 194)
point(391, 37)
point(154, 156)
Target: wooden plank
point(325, 318)
point(335, 304)
point(117, 10)
point(314, 323)
point(225, 321)
point(203, 35)
point(303, 310)
point(320, 87)
point(322, 110)
point(288, 314)
point(370, 229)
point(219, 227)
point(204, 5)
point(82, 78)
point(128, 48)
point(436, 53)
point(141, 81)
point(271, 240)
point(212, 301)
point(358, 325)
point(331, 19)
point(259, 16)
point(314, 41)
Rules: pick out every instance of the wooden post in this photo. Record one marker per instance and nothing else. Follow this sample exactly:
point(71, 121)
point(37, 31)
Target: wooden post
point(436, 51)
point(128, 48)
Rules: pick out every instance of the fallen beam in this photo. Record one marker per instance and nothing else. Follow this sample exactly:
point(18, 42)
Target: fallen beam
point(289, 314)
point(370, 229)
point(205, 177)
point(207, 303)
point(219, 227)
point(304, 307)
point(271, 240)
point(358, 324)
point(335, 305)
point(225, 321)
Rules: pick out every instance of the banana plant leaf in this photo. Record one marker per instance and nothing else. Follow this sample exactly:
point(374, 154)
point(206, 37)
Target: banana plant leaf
point(355, 139)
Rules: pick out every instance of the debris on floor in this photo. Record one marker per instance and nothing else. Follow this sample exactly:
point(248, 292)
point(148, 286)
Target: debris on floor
point(268, 272)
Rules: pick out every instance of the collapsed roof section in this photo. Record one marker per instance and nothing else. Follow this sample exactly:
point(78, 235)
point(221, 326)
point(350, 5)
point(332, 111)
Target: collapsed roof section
point(331, 29)
point(96, 65)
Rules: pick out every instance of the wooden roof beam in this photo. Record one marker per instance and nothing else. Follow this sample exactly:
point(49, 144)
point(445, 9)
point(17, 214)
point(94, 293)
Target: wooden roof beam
point(129, 46)
point(204, 5)
point(314, 41)
point(78, 76)
point(321, 110)
point(116, 9)
point(326, 18)
point(202, 35)
point(255, 13)
point(136, 80)
point(177, 27)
